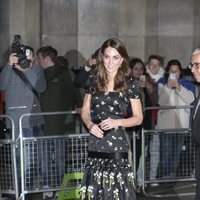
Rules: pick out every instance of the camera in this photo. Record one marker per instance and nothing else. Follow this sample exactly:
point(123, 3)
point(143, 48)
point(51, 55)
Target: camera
point(21, 51)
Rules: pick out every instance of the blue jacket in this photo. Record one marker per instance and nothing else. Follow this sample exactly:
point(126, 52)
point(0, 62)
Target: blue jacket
point(184, 82)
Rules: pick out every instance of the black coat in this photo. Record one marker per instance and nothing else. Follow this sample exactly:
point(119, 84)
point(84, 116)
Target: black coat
point(196, 135)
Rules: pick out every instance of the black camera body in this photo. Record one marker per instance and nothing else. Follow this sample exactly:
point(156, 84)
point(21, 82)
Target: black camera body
point(21, 51)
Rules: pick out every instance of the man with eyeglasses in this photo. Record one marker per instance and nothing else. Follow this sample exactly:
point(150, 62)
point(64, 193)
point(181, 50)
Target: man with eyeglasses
point(195, 68)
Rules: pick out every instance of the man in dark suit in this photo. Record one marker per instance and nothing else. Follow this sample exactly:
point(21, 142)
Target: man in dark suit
point(195, 68)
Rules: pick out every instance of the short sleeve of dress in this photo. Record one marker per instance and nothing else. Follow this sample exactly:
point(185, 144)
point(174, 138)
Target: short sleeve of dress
point(133, 92)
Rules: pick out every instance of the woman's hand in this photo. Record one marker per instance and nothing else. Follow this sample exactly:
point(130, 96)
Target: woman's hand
point(108, 124)
point(173, 84)
point(95, 130)
point(141, 83)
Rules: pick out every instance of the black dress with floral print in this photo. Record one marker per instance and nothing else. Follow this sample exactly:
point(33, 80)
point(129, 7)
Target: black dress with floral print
point(109, 179)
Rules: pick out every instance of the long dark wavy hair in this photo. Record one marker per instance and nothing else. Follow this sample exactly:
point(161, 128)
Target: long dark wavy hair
point(171, 63)
point(123, 76)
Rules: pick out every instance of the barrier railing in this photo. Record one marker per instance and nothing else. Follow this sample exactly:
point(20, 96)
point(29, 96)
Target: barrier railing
point(56, 163)
point(8, 172)
point(40, 155)
point(168, 158)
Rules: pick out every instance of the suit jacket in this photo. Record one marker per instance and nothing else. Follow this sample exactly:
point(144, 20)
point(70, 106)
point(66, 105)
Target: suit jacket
point(196, 134)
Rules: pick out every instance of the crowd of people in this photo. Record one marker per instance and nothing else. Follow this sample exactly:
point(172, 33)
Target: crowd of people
point(117, 90)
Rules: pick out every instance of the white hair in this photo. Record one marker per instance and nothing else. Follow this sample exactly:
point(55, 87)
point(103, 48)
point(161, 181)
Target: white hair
point(196, 51)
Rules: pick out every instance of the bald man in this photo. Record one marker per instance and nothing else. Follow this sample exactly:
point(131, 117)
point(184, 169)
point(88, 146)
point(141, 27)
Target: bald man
point(195, 68)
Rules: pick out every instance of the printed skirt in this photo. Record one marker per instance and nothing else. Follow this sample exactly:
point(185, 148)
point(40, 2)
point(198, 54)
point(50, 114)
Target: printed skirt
point(108, 179)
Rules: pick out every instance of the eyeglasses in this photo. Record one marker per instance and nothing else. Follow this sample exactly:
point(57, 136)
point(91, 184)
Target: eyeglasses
point(195, 65)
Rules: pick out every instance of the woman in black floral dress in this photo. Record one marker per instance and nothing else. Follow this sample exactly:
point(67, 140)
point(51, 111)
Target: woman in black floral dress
point(108, 175)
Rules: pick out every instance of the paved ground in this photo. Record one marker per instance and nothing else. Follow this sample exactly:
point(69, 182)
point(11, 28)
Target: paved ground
point(178, 191)
point(165, 191)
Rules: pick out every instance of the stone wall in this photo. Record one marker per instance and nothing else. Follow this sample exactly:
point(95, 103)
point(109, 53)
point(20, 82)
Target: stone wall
point(76, 28)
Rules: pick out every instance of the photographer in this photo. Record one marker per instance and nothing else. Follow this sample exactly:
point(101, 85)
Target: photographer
point(19, 98)
point(23, 81)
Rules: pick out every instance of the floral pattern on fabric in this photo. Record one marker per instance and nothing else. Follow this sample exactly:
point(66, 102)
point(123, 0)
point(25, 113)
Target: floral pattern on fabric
point(108, 179)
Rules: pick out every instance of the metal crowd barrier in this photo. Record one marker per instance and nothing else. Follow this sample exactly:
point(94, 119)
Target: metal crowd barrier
point(56, 163)
point(181, 153)
point(32, 159)
point(47, 161)
point(8, 172)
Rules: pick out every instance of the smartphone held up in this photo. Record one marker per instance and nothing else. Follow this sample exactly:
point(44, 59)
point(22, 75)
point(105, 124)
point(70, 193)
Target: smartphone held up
point(172, 76)
point(142, 80)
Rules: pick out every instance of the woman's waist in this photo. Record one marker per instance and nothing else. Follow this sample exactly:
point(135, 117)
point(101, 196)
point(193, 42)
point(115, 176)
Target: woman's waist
point(98, 121)
point(108, 155)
